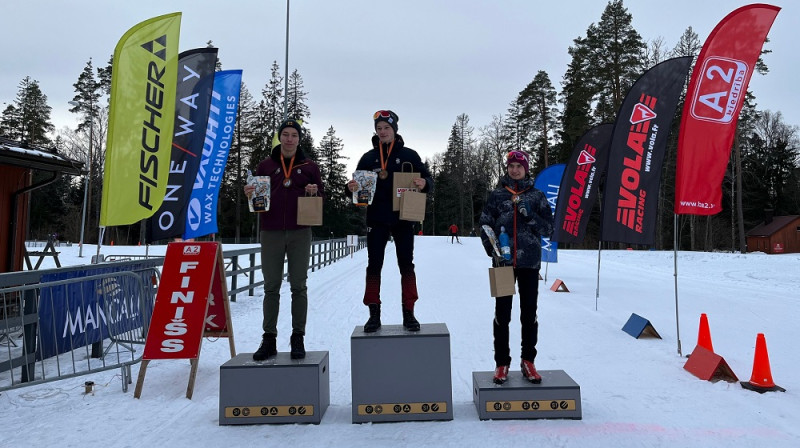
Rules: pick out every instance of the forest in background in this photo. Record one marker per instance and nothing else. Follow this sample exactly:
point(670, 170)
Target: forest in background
point(763, 175)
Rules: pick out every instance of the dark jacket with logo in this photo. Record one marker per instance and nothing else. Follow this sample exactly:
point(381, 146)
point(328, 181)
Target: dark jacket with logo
point(524, 232)
point(380, 211)
point(282, 213)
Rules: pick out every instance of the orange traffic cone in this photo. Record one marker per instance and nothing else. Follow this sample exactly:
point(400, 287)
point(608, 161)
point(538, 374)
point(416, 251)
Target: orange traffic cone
point(704, 334)
point(761, 379)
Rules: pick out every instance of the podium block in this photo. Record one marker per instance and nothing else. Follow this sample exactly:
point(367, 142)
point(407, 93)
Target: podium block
point(558, 396)
point(400, 375)
point(277, 390)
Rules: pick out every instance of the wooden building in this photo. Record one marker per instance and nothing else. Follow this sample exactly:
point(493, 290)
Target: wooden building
point(17, 165)
point(776, 235)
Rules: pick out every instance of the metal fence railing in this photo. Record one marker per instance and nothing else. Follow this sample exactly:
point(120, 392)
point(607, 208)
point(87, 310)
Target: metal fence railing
point(74, 325)
point(71, 321)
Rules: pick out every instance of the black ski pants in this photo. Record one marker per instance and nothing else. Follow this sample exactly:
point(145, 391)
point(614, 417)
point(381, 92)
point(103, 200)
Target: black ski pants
point(528, 290)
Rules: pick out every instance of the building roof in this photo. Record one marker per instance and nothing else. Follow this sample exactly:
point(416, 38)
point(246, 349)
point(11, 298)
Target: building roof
point(778, 223)
point(12, 153)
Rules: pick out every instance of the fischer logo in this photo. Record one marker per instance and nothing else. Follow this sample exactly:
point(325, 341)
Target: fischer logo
point(720, 90)
point(191, 250)
point(578, 191)
point(640, 142)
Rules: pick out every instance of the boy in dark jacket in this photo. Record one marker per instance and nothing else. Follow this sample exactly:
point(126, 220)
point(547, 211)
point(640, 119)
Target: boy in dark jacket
point(387, 156)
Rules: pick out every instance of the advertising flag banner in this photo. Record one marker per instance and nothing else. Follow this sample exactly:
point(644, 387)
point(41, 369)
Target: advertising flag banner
point(580, 182)
point(140, 120)
point(549, 182)
point(714, 99)
point(192, 102)
point(630, 196)
point(201, 217)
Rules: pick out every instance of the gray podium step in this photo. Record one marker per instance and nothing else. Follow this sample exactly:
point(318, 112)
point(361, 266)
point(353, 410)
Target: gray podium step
point(277, 390)
point(400, 375)
point(558, 396)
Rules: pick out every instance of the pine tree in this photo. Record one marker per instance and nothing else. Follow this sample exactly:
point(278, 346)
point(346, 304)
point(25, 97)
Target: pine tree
point(539, 114)
point(337, 213)
point(31, 113)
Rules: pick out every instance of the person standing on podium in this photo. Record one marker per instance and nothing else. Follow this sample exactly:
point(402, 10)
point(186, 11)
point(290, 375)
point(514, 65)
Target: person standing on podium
point(292, 175)
point(526, 216)
point(387, 156)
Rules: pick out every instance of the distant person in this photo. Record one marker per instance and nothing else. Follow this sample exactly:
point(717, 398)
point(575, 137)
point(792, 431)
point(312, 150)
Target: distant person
point(454, 233)
point(292, 175)
point(387, 156)
point(525, 213)
point(472, 232)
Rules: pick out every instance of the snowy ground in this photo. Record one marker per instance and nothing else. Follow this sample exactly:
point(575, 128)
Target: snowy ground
point(635, 392)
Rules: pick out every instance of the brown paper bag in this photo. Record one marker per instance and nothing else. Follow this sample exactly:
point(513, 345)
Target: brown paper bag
point(309, 211)
point(501, 281)
point(402, 181)
point(412, 206)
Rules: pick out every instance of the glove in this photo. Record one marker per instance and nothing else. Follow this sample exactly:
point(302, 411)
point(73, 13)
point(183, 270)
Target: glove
point(503, 262)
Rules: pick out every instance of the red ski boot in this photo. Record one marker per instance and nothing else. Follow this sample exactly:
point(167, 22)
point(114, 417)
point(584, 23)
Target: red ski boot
point(500, 374)
point(530, 373)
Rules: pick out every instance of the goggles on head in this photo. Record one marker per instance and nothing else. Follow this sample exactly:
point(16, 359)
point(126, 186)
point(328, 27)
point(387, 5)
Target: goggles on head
point(516, 155)
point(382, 113)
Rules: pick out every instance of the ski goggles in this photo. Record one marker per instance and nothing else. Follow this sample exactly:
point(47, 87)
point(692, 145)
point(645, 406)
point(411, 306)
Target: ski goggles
point(382, 113)
point(516, 155)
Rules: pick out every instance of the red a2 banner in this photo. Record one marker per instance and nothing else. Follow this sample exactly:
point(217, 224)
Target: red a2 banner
point(713, 101)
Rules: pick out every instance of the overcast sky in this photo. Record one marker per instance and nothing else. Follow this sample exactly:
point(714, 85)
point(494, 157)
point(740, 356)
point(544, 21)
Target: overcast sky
point(428, 60)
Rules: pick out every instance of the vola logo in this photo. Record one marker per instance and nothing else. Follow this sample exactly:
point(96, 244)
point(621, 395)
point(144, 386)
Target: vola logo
point(641, 113)
point(719, 91)
point(584, 158)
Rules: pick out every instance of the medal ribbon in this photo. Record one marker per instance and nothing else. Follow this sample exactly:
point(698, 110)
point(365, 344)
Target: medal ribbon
point(287, 173)
point(388, 153)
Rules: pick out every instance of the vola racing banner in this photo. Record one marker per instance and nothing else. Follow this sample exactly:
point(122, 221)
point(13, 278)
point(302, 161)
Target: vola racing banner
point(140, 120)
point(630, 199)
point(549, 182)
point(714, 99)
point(585, 169)
point(195, 81)
point(201, 218)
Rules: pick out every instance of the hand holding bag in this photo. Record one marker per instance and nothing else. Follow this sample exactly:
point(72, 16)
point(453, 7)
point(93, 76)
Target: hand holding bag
point(309, 210)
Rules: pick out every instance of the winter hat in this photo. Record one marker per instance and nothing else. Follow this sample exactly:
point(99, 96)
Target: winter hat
point(519, 157)
point(291, 123)
point(387, 116)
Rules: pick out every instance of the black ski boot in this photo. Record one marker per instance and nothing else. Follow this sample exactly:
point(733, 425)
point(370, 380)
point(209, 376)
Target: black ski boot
point(409, 321)
point(374, 321)
point(298, 349)
point(267, 349)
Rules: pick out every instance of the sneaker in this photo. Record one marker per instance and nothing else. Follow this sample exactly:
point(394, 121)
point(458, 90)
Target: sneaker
point(298, 349)
point(500, 374)
point(409, 321)
point(530, 373)
point(374, 321)
point(267, 348)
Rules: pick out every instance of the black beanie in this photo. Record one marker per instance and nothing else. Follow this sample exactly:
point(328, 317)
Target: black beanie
point(387, 116)
point(290, 123)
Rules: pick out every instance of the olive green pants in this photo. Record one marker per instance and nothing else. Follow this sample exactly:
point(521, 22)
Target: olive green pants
point(295, 247)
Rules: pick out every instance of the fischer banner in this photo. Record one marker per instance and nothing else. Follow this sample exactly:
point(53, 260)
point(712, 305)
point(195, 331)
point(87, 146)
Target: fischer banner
point(630, 196)
point(140, 120)
point(192, 102)
point(714, 99)
point(549, 182)
point(581, 180)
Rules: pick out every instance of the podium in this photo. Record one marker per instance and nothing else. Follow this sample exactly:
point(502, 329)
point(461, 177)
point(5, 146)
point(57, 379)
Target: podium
point(400, 375)
point(276, 390)
point(558, 396)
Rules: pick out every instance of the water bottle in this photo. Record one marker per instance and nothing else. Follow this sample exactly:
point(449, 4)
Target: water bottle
point(505, 248)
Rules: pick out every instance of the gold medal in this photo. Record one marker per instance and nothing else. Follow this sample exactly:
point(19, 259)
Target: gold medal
point(287, 183)
point(383, 174)
point(515, 198)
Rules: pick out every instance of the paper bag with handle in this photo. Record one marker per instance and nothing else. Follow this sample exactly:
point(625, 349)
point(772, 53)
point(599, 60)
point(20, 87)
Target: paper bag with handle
point(309, 210)
point(402, 181)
